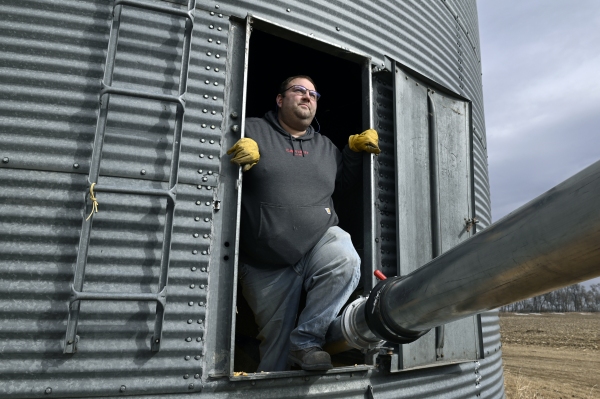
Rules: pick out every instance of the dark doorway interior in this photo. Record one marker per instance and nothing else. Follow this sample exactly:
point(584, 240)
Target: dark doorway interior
point(339, 115)
point(273, 59)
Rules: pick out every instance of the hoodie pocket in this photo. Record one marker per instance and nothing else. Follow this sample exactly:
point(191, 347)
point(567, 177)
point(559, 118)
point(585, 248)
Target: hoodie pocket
point(289, 232)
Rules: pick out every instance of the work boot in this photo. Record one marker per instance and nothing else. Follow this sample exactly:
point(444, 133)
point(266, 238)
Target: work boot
point(311, 359)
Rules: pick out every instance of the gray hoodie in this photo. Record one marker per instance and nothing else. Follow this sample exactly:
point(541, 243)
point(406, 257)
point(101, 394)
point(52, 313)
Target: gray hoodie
point(286, 198)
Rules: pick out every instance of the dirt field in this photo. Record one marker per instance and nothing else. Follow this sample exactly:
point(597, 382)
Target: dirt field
point(551, 356)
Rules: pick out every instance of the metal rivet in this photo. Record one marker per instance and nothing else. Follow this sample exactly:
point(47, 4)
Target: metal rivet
point(218, 42)
point(217, 6)
point(206, 219)
point(192, 285)
point(203, 269)
point(207, 82)
point(220, 15)
point(186, 376)
point(206, 96)
point(204, 125)
point(337, 28)
point(199, 321)
point(216, 83)
point(199, 186)
point(209, 187)
point(123, 388)
point(205, 179)
point(208, 53)
point(210, 40)
point(199, 339)
point(187, 357)
point(208, 68)
point(210, 173)
point(201, 286)
point(210, 157)
point(204, 253)
point(212, 141)
point(200, 303)
point(195, 252)
point(198, 202)
point(191, 386)
point(235, 128)
point(217, 56)
point(202, 140)
point(193, 268)
point(48, 390)
point(212, 126)
point(188, 339)
point(211, 26)
point(205, 110)
point(213, 112)
point(212, 13)
point(190, 303)
point(75, 165)
point(5, 160)
point(207, 203)
point(215, 98)
point(197, 357)
point(196, 376)
point(216, 69)
point(219, 28)
point(234, 115)
point(197, 218)
point(196, 235)
point(143, 172)
point(288, 10)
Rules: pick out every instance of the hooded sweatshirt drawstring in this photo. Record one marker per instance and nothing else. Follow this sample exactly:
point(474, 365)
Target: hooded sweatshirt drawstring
point(292, 144)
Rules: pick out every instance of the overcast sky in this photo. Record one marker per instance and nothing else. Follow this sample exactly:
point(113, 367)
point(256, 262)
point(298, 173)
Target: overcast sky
point(541, 85)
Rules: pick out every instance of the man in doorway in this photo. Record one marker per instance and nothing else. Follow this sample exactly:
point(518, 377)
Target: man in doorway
point(289, 234)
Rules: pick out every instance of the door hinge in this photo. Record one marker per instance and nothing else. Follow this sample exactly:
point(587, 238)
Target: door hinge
point(470, 223)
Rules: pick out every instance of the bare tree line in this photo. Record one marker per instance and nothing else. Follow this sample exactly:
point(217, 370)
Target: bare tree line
point(574, 298)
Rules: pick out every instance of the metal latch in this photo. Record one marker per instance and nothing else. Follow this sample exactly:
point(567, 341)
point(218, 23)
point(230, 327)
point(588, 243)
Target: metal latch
point(217, 205)
point(470, 223)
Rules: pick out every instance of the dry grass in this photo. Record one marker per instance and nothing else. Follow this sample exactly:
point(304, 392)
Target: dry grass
point(551, 356)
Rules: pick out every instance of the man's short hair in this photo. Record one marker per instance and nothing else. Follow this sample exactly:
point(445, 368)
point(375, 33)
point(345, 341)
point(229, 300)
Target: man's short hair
point(286, 83)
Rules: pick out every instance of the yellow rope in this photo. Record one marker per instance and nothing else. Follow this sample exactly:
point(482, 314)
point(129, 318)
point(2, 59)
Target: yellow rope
point(94, 202)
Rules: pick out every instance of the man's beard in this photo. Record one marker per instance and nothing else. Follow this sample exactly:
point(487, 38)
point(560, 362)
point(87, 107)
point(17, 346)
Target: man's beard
point(305, 114)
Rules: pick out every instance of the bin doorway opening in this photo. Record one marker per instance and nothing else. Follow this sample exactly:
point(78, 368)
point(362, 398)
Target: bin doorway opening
point(272, 59)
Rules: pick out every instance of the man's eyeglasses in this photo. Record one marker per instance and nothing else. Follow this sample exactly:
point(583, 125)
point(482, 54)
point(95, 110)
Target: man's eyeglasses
point(301, 90)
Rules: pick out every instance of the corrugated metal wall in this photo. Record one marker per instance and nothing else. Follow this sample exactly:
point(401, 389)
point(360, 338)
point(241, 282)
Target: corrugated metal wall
point(52, 57)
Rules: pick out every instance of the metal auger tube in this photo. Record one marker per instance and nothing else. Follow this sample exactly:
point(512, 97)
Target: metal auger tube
point(551, 242)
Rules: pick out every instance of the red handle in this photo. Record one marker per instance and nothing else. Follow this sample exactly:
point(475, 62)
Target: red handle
point(379, 275)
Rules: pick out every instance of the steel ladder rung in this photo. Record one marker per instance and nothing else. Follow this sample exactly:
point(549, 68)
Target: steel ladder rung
point(142, 94)
point(117, 296)
point(154, 192)
point(157, 8)
point(77, 294)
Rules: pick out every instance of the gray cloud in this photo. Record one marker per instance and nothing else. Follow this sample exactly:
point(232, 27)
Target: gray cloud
point(541, 77)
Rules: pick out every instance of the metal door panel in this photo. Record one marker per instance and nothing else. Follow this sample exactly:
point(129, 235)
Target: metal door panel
point(413, 195)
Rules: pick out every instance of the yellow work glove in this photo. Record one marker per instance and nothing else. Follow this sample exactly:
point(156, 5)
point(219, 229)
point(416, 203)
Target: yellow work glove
point(366, 141)
point(245, 153)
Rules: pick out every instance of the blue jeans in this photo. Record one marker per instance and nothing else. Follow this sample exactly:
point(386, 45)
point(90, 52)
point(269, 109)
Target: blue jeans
point(329, 274)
